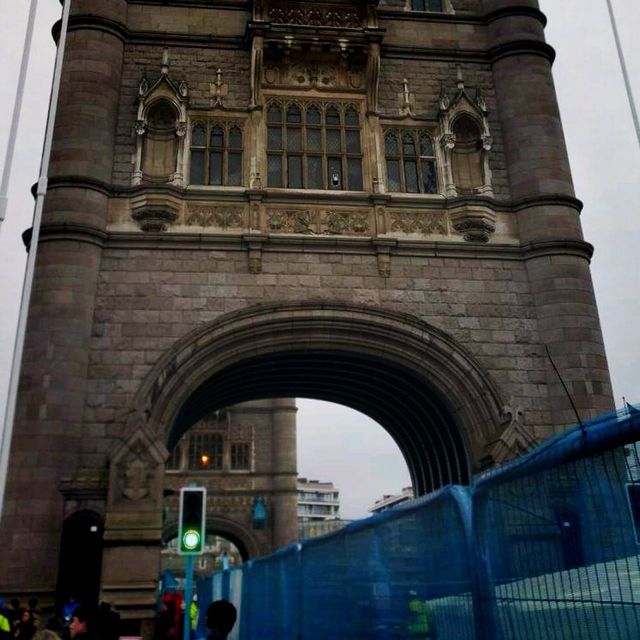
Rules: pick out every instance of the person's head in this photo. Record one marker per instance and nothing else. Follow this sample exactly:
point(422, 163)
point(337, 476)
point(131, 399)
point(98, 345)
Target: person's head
point(81, 621)
point(26, 615)
point(221, 616)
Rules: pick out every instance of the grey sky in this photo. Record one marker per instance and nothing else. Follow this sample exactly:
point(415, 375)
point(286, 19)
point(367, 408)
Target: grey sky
point(358, 456)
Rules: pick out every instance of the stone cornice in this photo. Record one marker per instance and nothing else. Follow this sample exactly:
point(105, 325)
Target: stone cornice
point(516, 11)
point(301, 243)
point(520, 47)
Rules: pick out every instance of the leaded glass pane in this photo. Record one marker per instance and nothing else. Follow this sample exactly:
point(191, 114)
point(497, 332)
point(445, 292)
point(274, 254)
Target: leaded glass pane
point(215, 167)
point(274, 138)
point(293, 114)
point(426, 146)
point(240, 455)
point(234, 170)
point(205, 451)
point(334, 142)
point(274, 171)
point(435, 5)
point(314, 140)
point(235, 138)
point(198, 136)
point(353, 141)
point(418, 5)
point(391, 144)
point(411, 176)
point(217, 138)
point(334, 166)
point(351, 117)
point(429, 177)
point(314, 172)
point(197, 166)
point(294, 139)
point(408, 145)
point(332, 116)
point(393, 175)
point(354, 168)
point(274, 114)
point(313, 115)
point(294, 172)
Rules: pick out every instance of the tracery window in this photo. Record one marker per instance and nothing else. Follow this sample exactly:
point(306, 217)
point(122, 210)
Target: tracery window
point(314, 146)
point(427, 5)
point(205, 451)
point(411, 161)
point(216, 154)
point(240, 456)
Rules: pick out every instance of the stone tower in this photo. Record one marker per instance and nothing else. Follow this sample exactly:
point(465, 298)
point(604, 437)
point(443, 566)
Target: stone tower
point(363, 202)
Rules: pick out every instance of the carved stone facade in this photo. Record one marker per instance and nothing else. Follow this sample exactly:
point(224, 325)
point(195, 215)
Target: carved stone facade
point(356, 202)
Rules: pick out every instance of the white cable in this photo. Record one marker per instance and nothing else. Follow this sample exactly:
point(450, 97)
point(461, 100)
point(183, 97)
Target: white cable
point(10, 409)
point(17, 108)
point(625, 74)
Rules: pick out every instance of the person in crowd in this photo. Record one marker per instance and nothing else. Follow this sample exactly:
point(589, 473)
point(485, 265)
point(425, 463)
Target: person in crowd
point(82, 624)
point(166, 626)
point(421, 623)
point(25, 628)
point(6, 616)
point(46, 634)
point(221, 616)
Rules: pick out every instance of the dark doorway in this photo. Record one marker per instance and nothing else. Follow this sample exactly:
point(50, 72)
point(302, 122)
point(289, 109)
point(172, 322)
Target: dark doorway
point(80, 558)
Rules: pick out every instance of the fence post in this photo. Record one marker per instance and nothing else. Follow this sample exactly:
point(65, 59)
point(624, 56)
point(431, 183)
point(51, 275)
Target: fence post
point(485, 613)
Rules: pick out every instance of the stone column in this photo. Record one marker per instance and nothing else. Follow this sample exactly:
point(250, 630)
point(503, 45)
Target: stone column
point(284, 496)
point(46, 446)
point(547, 212)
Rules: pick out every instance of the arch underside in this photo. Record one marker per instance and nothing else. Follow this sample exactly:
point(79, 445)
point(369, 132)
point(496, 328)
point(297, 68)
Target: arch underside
point(407, 407)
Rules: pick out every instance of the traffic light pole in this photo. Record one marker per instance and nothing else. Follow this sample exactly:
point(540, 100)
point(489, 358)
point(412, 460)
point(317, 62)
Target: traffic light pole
point(188, 588)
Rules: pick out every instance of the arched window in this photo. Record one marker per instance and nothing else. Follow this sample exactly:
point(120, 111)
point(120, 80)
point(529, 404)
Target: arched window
point(314, 147)
point(466, 159)
point(216, 158)
point(411, 162)
point(160, 143)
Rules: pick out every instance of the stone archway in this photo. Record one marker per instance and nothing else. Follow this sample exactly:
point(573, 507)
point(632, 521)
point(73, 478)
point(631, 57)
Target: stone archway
point(433, 398)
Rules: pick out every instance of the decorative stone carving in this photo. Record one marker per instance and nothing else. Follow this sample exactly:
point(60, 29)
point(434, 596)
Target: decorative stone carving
point(155, 212)
point(406, 100)
point(513, 440)
point(316, 16)
point(475, 224)
point(218, 90)
point(136, 474)
point(313, 74)
point(343, 222)
point(223, 217)
point(425, 222)
point(291, 221)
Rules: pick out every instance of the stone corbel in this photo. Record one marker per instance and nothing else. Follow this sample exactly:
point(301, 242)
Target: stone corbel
point(254, 244)
point(475, 224)
point(155, 212)
point(383, 250)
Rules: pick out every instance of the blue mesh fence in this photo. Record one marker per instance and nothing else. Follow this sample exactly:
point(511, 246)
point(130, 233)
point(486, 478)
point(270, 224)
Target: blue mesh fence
point(545, 547)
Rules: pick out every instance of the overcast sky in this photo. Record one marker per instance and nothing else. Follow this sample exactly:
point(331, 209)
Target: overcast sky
point(336, 444)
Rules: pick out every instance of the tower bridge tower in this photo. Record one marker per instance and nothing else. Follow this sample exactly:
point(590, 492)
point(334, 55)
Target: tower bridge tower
point(364, 202)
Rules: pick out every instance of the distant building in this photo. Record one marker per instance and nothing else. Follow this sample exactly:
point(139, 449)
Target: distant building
point(389, 501)
point(318, 508)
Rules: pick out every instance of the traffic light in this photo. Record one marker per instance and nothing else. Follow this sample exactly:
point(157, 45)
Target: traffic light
point(191, 534)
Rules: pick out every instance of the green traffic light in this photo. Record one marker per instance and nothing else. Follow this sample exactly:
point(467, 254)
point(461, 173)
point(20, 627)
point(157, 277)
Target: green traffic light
point(191, 539)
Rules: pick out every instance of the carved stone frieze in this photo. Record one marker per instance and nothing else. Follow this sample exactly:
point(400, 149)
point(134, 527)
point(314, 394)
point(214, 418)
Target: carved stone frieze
point(307, 74)
point(345, 223)
point(292, 221)
point(316, 16)
point(426, 222)
point(223, 217)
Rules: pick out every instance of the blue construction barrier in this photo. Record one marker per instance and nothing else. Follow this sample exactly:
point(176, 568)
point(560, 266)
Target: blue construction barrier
point(544, 547)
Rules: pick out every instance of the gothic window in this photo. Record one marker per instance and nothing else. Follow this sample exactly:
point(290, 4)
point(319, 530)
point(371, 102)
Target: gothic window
point(411, 162)
point(314, 146)
point(240, 456)
point(427, 5)
point(216, 154)
point(205, 451)
point(466, 159)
